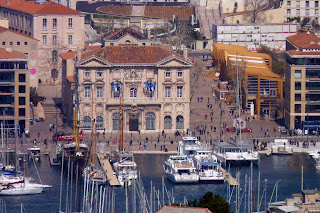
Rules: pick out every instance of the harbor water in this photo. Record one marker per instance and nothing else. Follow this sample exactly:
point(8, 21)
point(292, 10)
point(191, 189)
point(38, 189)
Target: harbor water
point(287, 169)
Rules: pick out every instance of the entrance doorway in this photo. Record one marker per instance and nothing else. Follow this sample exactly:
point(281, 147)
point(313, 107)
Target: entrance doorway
point(134, 122)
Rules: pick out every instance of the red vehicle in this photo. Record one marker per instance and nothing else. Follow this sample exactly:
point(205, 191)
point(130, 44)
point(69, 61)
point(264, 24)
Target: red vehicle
point(244, 130)
point(61, 136)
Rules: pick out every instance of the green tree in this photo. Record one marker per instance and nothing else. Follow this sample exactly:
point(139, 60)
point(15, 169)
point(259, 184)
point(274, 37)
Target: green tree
point(34, 97)
point(278, 67)
point(213, 203)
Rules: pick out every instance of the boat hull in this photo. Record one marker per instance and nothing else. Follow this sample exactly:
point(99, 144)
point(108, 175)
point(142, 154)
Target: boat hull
point(187, 179)
point(22, 191)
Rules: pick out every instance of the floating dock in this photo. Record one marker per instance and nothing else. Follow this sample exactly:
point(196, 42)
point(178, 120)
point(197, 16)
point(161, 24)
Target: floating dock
point(105, 164)
point(228, 177)
point(53, 156)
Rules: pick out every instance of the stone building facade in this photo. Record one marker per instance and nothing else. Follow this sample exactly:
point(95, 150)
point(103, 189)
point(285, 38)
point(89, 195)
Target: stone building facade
point(151, 83)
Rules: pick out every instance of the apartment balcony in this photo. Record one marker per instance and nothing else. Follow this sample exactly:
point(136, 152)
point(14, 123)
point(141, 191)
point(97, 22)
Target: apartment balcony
point(270, 97)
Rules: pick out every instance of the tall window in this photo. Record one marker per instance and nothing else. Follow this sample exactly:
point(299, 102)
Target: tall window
point(168, 92)
point(307, 12)
point(289, 3)
point(298, 12)
point(167, 122)
point(87, 122)
point(179, 92)
point(87, 92)
point(99, 122)
point(316, 4)
point(44, 40)
point(316, 12)
point(70, 23)
point(54, 24)
point(54, 40)
point(116, 121)
point(99, 92)
point(179, 121)
point(44, 24)
point(297, 3)
point(54, 74)
point(168, 74)
point(54, 56)
point(288, 11)
point(307, 3)
point(150, 121)
point(133, 92)
point(179, 74)
point(69, 39)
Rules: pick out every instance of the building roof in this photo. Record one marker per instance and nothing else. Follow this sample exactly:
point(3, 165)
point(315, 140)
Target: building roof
point(255, 63)
point(167, 12)
point(125, 54)
point(4, 54)
point(86, 50)
point(124, 31)
point(32, 7)
point(182, 209)
point(305, 40)
point(132, 54)
point(3, 29)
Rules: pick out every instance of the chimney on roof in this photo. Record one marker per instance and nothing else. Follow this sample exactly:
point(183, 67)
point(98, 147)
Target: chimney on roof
point(185, 53)
point(308, 32)
point(8, 49)
point(78, 55)
point(7, 2)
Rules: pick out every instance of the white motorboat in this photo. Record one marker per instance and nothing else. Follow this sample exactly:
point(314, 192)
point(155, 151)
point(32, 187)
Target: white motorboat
point(281, 147)
point(207, 166)
point(181, 169)
point(241, 153)
point(188, 146)
point(126, 169)
point(34, 153)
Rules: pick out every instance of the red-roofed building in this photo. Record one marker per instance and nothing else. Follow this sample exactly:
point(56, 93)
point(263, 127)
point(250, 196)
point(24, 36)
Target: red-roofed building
point(154, 80)
point(302, 82)
point(57, 28)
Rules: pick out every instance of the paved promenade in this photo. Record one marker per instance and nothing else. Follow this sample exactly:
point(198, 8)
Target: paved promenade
point(205, 116)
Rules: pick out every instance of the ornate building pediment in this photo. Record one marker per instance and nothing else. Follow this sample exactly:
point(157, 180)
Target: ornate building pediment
point(94, 61)
point(174, 61)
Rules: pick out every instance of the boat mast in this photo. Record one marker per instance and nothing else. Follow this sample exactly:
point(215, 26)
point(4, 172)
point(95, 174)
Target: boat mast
point(93, 128)
point(237, 98)
point(121, 118)
point(76, 99)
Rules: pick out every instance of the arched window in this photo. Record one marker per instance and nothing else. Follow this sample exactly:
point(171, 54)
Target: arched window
point(116, 121)
point(133, 92)
point(128, 42)
point(54, 74)
point(87, 122)
point(150, 121)
point(54, 56)
point(167, 122)
point(99, 122)
point(180, 121)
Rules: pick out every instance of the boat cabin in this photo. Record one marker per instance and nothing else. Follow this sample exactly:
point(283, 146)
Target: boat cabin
point(224, 147)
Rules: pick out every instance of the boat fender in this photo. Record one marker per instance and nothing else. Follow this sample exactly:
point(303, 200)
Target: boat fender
point(179, 166)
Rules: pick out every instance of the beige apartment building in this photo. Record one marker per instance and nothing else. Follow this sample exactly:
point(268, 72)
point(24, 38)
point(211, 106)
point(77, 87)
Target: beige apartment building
point(14, 90)
point(57, 28)
point(15, 41)
point(302, 82)
point(153, 80)
point(302, 9)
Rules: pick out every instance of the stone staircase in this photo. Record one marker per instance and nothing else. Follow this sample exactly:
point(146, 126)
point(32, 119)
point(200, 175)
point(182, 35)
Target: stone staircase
point(207, 16)
point(49, 108)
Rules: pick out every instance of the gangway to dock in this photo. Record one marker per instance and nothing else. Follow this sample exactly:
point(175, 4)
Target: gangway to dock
point(228, 177)
point(107, 168)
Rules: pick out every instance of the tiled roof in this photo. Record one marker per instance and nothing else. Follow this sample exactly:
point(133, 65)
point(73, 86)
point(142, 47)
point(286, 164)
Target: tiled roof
point(3, 29)
point(167, 12)
point(71, 54)
point(124, 31)
point(181, 209)
point(70, 78)
point(123, 10)
point(125, 54)
point(33, 8)
point(306, 40)
point(298, 52)
point(131, 54)
point(11, 55)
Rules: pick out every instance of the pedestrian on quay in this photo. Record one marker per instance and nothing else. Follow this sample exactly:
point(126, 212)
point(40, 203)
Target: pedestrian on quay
point(205, 116)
